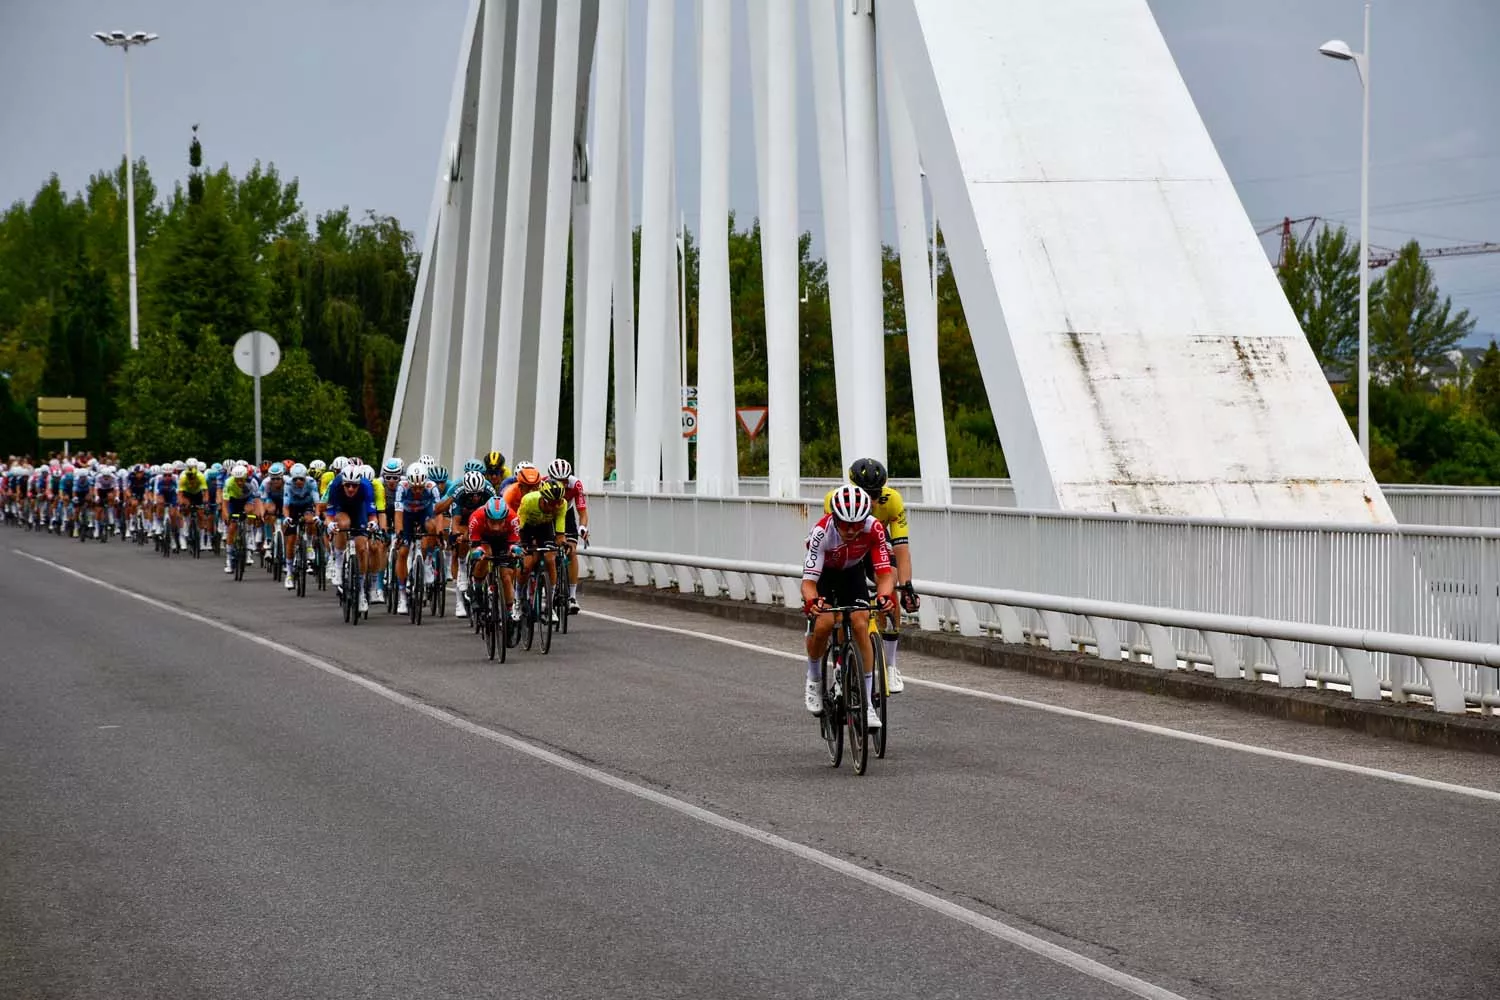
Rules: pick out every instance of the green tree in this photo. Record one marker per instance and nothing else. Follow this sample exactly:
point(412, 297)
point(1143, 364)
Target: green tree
point(1484, 389)
point(1411, 327)
point(1321, 283)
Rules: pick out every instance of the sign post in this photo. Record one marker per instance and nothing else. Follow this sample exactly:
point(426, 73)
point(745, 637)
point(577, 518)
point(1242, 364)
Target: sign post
point(257, 354)
point(690, 413)
point(62, 418)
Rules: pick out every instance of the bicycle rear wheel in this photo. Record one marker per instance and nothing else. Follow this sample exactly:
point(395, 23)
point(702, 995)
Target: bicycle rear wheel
point(854, 697)
point(299, 565)
point(415, 584)
point(545, 609)
point(832, 719)
point(528, 611)
point(241, 551)
point(356, 586)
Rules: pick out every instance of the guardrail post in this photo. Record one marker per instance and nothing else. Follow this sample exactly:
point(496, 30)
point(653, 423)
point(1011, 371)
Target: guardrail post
point(1163, 652)
point(791, 591)
point(1226, 658)
point(1059, 636)
point(761, 589)
point(1447, 695)
point(1012, 629)
point(1106, 638)
point(1364, 683)
point(735, 584)
point(1289, 670)
point(968, 619)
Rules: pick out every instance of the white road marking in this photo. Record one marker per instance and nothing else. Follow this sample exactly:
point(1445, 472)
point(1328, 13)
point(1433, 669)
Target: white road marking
point(987, 925)
point(1108, 720)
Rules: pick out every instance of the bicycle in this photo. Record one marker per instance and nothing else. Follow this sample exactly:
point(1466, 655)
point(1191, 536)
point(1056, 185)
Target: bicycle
point(843, 688)
point(416, 577)
point(194, 533)
point(437, 589)
point(492, 616)
point(536, 604)
point(353, 583)
point(241, 547)
point(560, 592)
point(299, 561)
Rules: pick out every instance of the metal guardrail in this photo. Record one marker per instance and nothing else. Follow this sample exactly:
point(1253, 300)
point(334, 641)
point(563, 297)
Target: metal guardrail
point(1440, 583)
point(1452, 506)
point(1439, 659)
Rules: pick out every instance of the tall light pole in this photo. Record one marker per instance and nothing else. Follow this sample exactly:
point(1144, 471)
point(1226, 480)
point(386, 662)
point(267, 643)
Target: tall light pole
point(123, 42)
point(1337, 49)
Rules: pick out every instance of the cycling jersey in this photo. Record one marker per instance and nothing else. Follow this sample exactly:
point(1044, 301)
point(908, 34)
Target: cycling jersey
point(192, 483)
point(573, 492)
point(105, 483)
point(827, 549)
point(300, 496)
point(515, 492)
point(531, 515)
point(483, 531)
point(138, 483)
point(238, 489)
point(887, 508)
point(416, 502)
point(360, 507)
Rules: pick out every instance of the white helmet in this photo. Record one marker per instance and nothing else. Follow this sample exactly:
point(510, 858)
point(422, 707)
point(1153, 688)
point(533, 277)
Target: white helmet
point(179, 465)
point(560, 469)
point(427, 461)
point(339, 463)
point(241, 471)
point(360, 473)
point(474, 481)
point(192, 463)
point(317, 465)
point(416, 474)
point(850, 503)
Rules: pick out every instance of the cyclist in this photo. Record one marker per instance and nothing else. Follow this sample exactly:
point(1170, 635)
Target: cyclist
point(438, 476)
point(543, 518)
point(238, 508)
point(416, 510)
point(192, 488)
point(103, 495)
point(272, 500)
point(351, 504)
point(496, 471)
point(137, 480)
point(299, 502)
point(578, 521)
point(385, 505)
point(330, 474)
point(464, 498)
point(888, 508)
point(494, 537)
point(834, 574)
point(527, 479)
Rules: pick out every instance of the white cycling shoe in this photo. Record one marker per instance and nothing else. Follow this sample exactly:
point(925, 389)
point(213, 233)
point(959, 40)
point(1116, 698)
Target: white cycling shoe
point(401, 607)
point(813, 698)
point(291, 580)
point(872, 718)
point(893, 680)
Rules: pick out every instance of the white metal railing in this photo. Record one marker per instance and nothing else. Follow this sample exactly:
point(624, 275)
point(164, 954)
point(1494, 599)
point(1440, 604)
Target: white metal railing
point(1454, 506)
point(1441, 583)
point(1067, 623)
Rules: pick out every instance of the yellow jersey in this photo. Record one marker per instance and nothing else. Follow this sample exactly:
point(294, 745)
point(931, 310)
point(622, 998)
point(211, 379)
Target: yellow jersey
point(530, 514)
point(887, 508)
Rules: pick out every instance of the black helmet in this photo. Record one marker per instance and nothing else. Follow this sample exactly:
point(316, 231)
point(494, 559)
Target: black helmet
point(494, 463)
point(868, 474)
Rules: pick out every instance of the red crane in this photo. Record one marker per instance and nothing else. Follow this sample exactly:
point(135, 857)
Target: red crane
point(1379, 256)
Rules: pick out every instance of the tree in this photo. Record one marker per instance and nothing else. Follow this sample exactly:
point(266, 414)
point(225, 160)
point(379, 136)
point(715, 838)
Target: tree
point(1321, 283)
point(1484, 389)
point(1411, 329)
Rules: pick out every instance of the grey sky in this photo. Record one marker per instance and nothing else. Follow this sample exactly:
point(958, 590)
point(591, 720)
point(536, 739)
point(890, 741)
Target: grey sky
point(350, 96)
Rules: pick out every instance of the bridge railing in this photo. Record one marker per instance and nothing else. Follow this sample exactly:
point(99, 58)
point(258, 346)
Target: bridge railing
point(1441, 583)
point(1106, 627)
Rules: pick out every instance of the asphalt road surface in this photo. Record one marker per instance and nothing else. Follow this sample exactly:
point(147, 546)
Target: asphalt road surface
point(380, 811)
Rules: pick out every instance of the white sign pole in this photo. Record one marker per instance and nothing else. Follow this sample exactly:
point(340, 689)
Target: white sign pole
point(257, 354)
point(255, 374)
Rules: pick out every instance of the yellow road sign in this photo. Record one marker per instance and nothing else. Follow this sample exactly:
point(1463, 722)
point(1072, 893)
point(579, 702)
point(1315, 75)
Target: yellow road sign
point(64, 403)
point(73, 432)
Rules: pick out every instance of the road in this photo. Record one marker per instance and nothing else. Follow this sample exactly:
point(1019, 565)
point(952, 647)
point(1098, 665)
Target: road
point(381, 812)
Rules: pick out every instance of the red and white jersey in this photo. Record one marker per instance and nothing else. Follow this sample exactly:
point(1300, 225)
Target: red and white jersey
point(574, 494)
point(827, 549)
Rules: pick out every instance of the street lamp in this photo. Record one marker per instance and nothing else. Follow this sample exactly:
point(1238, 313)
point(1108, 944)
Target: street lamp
point(1337, 49)
point(123, 42)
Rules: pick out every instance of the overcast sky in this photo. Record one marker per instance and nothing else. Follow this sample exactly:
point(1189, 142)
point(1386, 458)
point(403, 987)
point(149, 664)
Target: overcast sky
point(350, 96)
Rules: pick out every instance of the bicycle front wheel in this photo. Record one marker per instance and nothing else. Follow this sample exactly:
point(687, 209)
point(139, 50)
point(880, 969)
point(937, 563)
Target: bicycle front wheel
point(854, 696)
point(832, 719)
point(545, 610)
point(880, 696)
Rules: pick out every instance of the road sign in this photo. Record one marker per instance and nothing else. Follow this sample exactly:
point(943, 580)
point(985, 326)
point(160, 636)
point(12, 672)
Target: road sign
point(73, 403)
point(256, 354)
point(62, 418)
point(689, 394)
point(245, 353)
point(689, 422)
point(752, 419)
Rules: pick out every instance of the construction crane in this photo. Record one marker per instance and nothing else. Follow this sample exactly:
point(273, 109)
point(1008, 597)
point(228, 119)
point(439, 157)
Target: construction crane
point(1379, 256)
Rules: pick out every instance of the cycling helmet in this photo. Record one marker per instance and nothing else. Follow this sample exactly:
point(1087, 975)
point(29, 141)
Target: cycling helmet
point(93, 463)
point(426, 460)
point(353, 460)
point(361, 473)
point(192, 463)
point(179, 465)
point(528, 475)
point(217, 467)
point(317, 465)
point(241, 471)
point(559, 469)
point(473, 465)
point(868, 474)
point(299, 471)
point(417, 474)
point(339, 463)
point(278, 470)
point(850, 504)
point(495, 509)
point(437, 473)
point(494, 463)
point(391, 469)
point(551, 492)
point(474, 481)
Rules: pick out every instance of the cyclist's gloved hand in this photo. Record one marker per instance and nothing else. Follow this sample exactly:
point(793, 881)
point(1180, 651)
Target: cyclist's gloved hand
point(813, 606)
point(910, 602)
point(885, 603)
point(373, 525)
point(583, 531)
point(517, 551)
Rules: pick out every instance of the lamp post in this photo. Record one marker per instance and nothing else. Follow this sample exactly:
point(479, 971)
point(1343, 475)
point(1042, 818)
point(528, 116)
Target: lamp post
point(123, 42)
point(1337, 49)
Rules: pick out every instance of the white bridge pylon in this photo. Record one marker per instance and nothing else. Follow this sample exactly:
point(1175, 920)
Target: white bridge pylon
point(1136, 349)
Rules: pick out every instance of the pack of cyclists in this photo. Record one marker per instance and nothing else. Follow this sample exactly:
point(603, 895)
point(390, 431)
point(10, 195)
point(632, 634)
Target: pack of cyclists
point(484, 519)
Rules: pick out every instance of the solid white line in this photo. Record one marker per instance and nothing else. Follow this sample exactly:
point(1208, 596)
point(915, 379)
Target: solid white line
point(1483, 794)
point(988, 925)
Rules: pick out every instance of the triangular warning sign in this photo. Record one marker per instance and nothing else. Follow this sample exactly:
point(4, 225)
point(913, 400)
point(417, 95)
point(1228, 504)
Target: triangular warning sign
point(752, 419)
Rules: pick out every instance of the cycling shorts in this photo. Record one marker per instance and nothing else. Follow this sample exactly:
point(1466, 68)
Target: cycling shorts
point(572, 532)
point(844, 586)
point(237, 507)
point(537, 535)
point(192, 498)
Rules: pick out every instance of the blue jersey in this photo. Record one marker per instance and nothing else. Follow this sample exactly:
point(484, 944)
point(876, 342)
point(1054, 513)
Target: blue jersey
point(416, 501)
point(301, 496)
point(466, 502)
point(361, 506)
